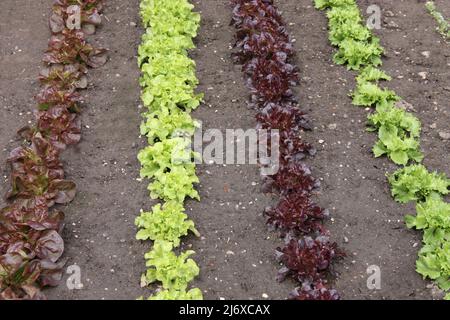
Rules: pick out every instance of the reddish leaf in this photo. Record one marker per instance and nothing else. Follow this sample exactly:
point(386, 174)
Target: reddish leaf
point(61, 127)
point(296, 212)
point(51, 273)
point(50, 246)
point(64, 191)
point(30, 244)
point(307, 259)
point(265, 50)
point(316, 291)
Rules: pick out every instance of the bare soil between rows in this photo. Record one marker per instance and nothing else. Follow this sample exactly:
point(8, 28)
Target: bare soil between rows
point(236, 250)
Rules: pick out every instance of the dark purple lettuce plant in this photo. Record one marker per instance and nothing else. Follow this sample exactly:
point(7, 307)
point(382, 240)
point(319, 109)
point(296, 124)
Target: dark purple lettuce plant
point(297, 213)
point(266, 52)
point(306, 259)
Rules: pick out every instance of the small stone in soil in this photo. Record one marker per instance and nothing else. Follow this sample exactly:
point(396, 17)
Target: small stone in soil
point(444, 135)
point(426, 54)
point(423, 75)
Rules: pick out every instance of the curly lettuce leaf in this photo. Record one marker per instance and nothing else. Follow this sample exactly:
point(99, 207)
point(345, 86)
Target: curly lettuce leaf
point(398, 133)
point(434, 257)
point(433, 213)
point(174, 272)
point(168, 223)
point(193, 294)
point(416, 183)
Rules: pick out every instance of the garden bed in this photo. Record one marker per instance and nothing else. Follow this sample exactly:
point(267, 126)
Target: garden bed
point(236, 252)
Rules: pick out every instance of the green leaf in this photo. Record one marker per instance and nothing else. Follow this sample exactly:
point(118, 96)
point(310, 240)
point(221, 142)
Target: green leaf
point(399, 157)
point(164, 156)
point(193, 294)
point(434, 257)
point(387, 134)
point(321, 4)
point(379, 149)
point(174, 272)
point(357, 54)
point(415, 183)
point(444, 282)
point(428, 266)
point(171, 17)
point(399, 133)
point(168, 223)
point(433, 213)
point(167, 123)
point(410, 221)
point(370, 73)
point(176, 185)
point(368, 94)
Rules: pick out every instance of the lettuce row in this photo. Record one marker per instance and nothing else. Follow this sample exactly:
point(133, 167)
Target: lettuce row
point(168, 223)
point(168, 84)
point(415, 183)
point(398, 133)
point(265, 51)
point(443, 24)
point(31, 245)
point(360, 50)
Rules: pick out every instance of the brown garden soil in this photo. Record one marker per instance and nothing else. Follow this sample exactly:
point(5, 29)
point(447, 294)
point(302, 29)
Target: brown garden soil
point(236, 250)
